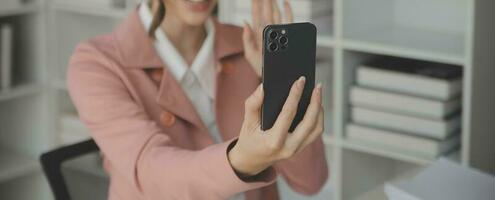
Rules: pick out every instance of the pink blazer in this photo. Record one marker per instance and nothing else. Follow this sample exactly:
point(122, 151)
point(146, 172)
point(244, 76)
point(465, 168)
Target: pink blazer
point(154, 144)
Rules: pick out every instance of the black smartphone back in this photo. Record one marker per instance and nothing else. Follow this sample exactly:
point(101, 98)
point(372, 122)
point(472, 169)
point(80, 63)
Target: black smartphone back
point(289, 52)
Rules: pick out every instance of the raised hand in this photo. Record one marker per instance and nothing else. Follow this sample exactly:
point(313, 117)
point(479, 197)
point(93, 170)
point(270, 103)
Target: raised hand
point(264, 12)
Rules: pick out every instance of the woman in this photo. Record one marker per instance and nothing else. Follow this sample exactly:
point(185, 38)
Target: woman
point(172, 98)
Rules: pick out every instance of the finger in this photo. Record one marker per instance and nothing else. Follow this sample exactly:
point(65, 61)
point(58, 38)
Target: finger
point(289, 16)
point(277, 19)
point(309, 122)
point(317, 132)
point(256, 12)
point(267, 12)
point(289, 110)
point(252, 106)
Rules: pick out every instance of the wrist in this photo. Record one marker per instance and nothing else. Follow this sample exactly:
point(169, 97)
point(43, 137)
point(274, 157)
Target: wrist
point(242, 164)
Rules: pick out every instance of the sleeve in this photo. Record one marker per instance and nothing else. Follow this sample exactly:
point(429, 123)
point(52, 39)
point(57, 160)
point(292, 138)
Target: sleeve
point(135, 145)
point(306, 172)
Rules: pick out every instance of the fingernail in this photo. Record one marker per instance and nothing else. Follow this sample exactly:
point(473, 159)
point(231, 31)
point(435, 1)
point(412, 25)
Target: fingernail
point(301, 81)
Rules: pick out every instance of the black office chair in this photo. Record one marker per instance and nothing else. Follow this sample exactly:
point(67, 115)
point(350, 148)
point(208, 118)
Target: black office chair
point(52, 161)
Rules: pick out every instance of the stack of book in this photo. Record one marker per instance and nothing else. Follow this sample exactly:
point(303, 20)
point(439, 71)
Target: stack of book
point(407, 105)
point(319, 12)
point(6, 49)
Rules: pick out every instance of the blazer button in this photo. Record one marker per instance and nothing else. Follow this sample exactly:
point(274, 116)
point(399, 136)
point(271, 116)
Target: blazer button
point(167, 118)
point(156, 75)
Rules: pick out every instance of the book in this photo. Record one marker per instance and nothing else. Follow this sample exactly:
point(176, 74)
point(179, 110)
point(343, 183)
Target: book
point(395, 141)
point(444, 179)
point(419, 78)
point(6, 53)
point(402, 103)
point(438, 129)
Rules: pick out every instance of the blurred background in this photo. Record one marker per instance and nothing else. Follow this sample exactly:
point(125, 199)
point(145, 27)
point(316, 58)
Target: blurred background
point(406, 82)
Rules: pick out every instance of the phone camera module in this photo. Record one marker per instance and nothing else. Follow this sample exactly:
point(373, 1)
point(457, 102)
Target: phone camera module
point(283, 40)
point(273, 35)
point(273, 47)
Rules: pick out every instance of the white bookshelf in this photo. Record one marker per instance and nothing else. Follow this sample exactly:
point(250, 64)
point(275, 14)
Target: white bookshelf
point(23, 133)
point(445, 31)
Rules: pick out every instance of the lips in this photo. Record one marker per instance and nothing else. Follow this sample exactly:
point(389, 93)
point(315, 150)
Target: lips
point(198, 5)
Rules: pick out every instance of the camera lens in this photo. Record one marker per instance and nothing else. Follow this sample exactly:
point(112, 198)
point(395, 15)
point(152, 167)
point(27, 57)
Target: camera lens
point(272, 46)
point(273, 35)
point(283, 40)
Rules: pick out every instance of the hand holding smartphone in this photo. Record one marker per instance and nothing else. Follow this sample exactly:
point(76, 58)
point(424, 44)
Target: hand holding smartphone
point(288, 101)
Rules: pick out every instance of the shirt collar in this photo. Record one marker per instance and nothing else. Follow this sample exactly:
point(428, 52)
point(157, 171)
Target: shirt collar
point(203, 66)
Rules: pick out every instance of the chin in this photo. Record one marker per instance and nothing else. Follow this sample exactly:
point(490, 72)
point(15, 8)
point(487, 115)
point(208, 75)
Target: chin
point(196, 20)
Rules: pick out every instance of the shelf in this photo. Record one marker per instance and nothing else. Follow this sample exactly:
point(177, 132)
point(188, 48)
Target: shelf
point(409, 43)
point(378, 192)
point(20, 91)
point(374, 194)
point(325, 41)
point(356, 146)
point(13, 165)
point(18, 8)
point(92, 10)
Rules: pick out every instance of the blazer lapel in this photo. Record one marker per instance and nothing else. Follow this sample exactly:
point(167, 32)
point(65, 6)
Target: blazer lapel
point(137, 52)
point(172, 98)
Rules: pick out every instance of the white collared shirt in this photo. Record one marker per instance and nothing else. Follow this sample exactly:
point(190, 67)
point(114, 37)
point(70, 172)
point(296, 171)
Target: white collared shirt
point(197, 80)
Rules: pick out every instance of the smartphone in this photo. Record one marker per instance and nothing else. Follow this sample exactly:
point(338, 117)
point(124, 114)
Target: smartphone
point(289, 52)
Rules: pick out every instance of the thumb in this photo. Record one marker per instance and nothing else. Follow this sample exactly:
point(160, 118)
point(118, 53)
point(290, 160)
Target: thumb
point(253, 106)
